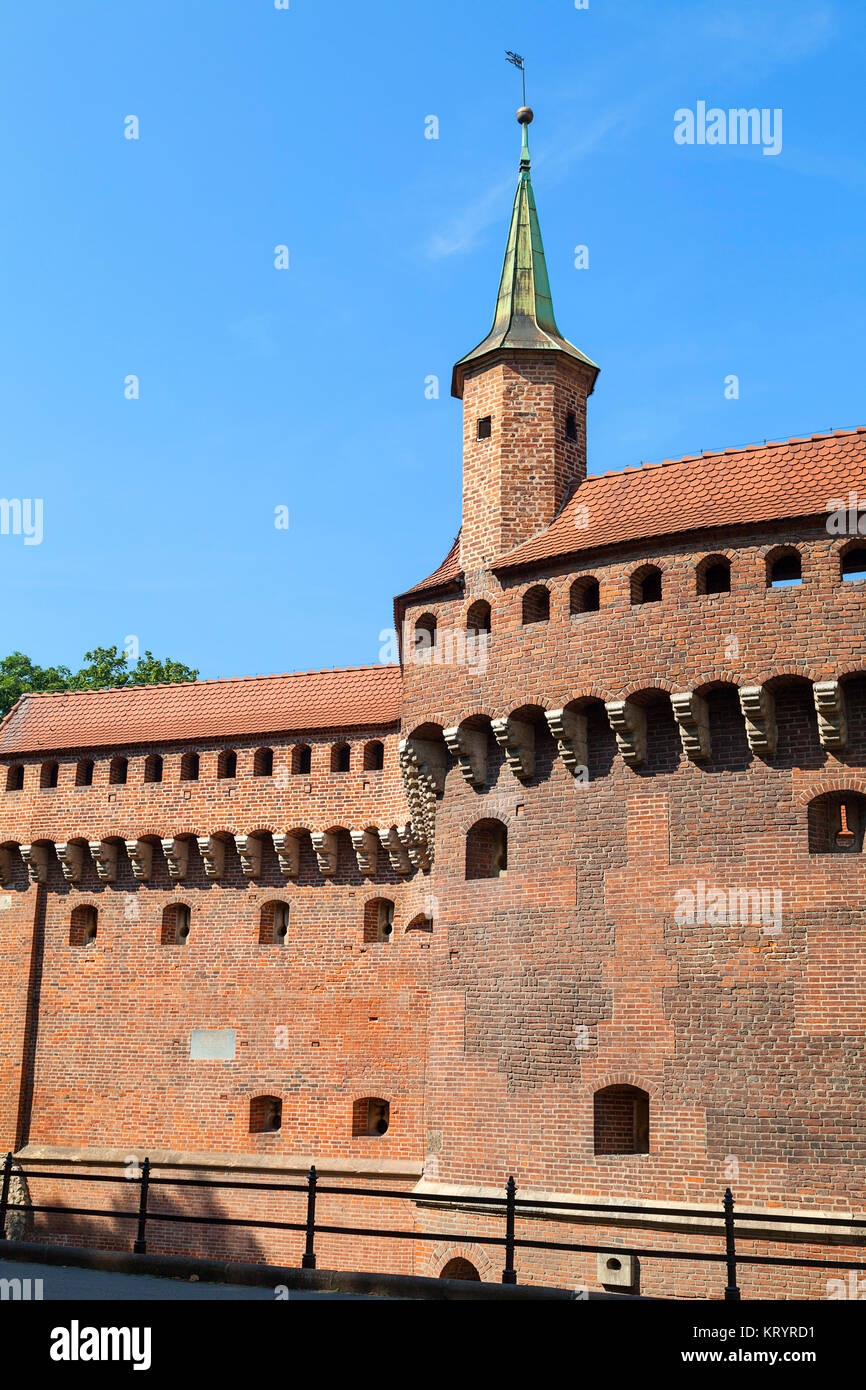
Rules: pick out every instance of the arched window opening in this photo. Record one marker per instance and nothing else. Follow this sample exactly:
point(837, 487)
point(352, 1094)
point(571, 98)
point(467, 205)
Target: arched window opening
point(341, 757)
point(274, 924)
point(15, 777)
point(84, 773)
point(82, 925)
point(420, 923)
point(784, 569)
point(837, 822)
point(478, 617)
point(48, 774)
point(486, 849)
point(266, 1114)
point(189, 767)
point(536, 605)
point(583, 596)
point(714, 575)
point(853, 565)
point(621, 1120)
point(175, 924)
point(263, 762)
point(374, 755)
point(370, 1116)
point(379, 920)
point(424, 636)
point(227, 763)
point(646, 585)
point(458, 1268)
point(118, 771)
point(153, 768)
point(302, 758)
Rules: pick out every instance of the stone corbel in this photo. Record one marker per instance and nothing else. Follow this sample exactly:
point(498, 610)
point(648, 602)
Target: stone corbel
point(141, 858)
point(71, 856)
point(366, 846)
point(415, 847)
point(692, 714)
point(249, 849)
point(832, 714)
point(213, 855)
point(177, 858)
point(6, 867)
point(325, 845)
point(288, 849)
point(105, 858)
point(36, 859)
point(429, 757)
point(759, 712)
point(517, 737)
point(398, 853)
point(569, 729)
point(469, 747)
point(628, 722)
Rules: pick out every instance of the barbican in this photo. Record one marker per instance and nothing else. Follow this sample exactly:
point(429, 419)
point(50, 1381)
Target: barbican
point(417, 922)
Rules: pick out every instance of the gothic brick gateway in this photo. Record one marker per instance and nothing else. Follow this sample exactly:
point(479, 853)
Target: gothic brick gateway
point(576, 891)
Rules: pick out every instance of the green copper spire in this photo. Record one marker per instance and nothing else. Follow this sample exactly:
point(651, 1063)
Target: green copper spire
point(524, 309)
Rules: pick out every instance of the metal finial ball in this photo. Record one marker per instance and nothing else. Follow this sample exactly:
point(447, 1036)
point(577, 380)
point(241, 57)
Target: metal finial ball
point(525, 115)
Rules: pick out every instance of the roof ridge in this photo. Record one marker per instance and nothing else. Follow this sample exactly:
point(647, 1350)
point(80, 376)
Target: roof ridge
point(216, 680)
point(720, 453)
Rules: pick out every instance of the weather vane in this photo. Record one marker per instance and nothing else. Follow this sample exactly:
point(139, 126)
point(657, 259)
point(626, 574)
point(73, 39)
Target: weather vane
point(524, 115)
point(518, 62)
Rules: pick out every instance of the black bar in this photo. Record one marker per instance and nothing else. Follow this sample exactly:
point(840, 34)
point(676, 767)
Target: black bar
point(308, 1259)
point(509, 1273)
point(732, 1293)
point(433, 1199)
point(485, 1205)
point(4, 1193)
point(139, 1246)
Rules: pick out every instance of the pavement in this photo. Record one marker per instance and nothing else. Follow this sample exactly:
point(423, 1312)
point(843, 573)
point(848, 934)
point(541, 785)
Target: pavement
point(70, 1282)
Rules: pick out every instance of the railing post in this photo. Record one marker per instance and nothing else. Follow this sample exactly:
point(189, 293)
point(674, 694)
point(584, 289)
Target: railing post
point(509, 1273)
point(732, 1293)
point(308, 1259)
point(140, 1244)
point(4, 1193)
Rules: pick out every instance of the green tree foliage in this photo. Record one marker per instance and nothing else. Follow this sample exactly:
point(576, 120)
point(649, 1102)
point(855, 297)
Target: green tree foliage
point(104, 667)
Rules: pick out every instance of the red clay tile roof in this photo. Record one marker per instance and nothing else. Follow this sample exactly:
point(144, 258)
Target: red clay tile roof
point(448, 571)
point(306, 700)
point(765, 482)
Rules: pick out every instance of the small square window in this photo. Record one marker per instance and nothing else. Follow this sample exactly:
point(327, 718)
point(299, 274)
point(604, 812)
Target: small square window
point(485, 426)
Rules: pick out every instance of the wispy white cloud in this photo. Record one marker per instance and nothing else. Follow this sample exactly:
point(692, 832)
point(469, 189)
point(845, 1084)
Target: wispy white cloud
point(776, 33)
point(464, 232)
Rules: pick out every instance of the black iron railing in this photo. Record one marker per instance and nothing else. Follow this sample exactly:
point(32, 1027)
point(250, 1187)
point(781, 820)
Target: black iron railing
point(510, 1205)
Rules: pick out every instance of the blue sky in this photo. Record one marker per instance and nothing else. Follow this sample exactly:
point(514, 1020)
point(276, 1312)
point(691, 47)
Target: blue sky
point(304, 388)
